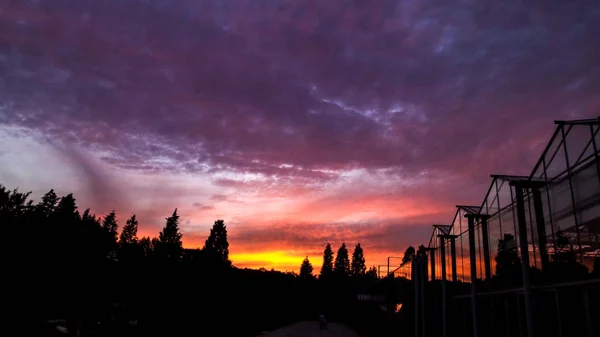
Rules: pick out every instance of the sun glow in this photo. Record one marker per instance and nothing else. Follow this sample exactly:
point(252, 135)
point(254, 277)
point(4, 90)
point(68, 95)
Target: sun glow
point(269, 259)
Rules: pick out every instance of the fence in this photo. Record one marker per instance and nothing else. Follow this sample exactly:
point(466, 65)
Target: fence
point(532, 247)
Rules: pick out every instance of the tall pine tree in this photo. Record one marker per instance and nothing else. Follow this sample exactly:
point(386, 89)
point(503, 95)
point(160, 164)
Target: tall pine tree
point(48, 203)
point(409, 254)
point(169, 244)
point(66, 210)
point(129, 249)
point(216, 245)
point(129, 232)
point(306, 269)
point(358, 267)
point(327, 267)
point(341, 266)
point(110, 225)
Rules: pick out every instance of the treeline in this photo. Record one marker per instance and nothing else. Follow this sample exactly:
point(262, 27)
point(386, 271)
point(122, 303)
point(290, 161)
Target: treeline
point(86, 269)
point(65, 235)
point(341, 267)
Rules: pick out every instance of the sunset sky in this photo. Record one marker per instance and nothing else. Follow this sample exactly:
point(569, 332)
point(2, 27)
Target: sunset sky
point(297, 122)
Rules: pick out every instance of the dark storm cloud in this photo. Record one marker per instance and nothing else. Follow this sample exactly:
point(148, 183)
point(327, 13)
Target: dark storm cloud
point(318, 86)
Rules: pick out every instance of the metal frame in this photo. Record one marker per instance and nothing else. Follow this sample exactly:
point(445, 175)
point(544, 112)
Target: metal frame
point(553, 197)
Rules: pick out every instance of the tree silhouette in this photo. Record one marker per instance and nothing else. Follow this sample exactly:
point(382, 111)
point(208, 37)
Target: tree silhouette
point(341, 266)
point(110, 225)
point(409, 254)
point(155, 244)
point(129, 249)
point(507, 259)
point(91, 219)
point(564, 251)
point(306, 269)
point(372, 273)
point(327, 267)
point(96, 242)
point(65, 236)
point(169, 239)
point(358, 267)
point(13, 204)
point(564, 263)
point(146, 246)
point(216, 245)
point(48, 204)
point(66, 210)
point(129, 232)
point(421, 251)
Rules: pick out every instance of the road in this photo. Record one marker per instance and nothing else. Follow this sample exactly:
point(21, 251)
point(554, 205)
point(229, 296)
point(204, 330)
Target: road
point(311, 329)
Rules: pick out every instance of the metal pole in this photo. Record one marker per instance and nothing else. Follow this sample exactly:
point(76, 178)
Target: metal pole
point(422, 279)
point(527, 291)
point(473, 263)
point(453, 255)
point(498, 205)
point(416, 290)
point(595, 147)
point(486, 247)
point(425, 268)
point(388, 268)
point(541, 227)
point(569, 176)
point(432, 264)
point(532, 234)
point(444, 294)
point(549, 204)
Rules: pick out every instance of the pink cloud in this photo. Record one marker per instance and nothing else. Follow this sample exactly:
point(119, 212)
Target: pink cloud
point(265, 114)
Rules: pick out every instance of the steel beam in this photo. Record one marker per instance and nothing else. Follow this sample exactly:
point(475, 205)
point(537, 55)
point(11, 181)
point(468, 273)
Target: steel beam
point(527, 290)
point(473, 263)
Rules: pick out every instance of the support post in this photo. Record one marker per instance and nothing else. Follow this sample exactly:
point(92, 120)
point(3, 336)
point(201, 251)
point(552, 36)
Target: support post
point(541, 227)
point(570, 180)
point(595, 147)
point(425, 268)
point(453, 255)
point(444, 294)
point(432, 256)
point(388, 266)
point(473, 264)
point(527, 290)
point(486, 247)
point(422, 281)
point(416, 291)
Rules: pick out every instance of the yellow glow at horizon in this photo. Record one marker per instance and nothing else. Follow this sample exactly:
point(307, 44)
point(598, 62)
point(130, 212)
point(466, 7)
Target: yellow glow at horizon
point(271, 259)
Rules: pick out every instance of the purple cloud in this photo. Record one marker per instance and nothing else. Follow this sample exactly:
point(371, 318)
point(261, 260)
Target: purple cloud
point(288, 98)
point(253, 86)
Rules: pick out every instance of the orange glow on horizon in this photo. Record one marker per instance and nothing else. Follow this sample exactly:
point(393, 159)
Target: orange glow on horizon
point(278, 260)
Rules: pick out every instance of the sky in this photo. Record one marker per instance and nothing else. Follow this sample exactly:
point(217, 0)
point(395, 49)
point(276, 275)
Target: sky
point(297, 122)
